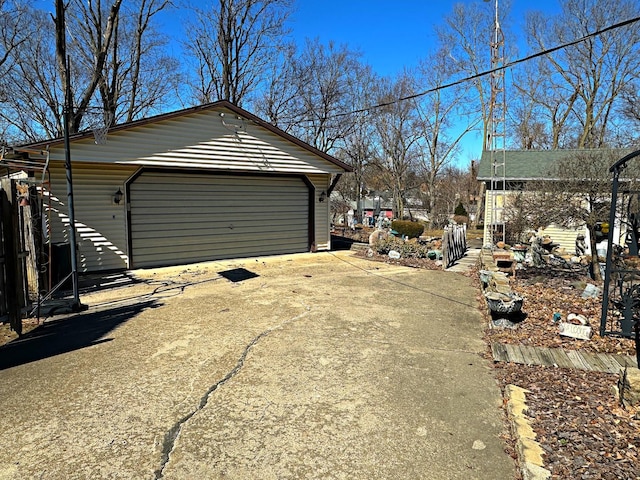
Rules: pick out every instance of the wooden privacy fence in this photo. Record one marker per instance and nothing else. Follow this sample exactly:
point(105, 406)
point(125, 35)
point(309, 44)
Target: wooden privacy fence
point(454, 244)
point(18, 271)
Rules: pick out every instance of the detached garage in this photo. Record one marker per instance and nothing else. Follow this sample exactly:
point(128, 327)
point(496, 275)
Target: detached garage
point(206, 183)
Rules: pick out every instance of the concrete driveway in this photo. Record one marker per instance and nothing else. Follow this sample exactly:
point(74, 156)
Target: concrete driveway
point(313, 366)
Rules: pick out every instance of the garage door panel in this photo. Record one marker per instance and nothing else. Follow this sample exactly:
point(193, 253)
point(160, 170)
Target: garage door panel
point(172, 238)
point(198, 205)
point(193, 200)
point(209, 251)
point(216, 189)
point(205, 222)
point(188, 218)
point(204, 226)
point(179, 185)
point(185, 257)
point(169, 237)
point(207, 247)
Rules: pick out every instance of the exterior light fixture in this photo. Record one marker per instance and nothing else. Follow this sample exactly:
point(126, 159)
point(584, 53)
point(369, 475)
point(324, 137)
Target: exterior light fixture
point(322, 197)
point(117, 197)
point(235, 124)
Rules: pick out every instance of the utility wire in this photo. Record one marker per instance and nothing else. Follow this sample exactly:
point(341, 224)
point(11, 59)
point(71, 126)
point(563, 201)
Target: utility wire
point(488, 72)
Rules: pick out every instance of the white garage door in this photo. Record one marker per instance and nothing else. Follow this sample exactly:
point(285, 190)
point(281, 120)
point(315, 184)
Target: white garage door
point(185, 218)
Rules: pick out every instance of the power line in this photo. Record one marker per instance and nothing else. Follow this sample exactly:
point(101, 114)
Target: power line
point(493, 70)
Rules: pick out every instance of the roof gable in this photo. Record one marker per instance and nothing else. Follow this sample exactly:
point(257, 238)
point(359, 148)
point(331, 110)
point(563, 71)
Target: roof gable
point(200, 137)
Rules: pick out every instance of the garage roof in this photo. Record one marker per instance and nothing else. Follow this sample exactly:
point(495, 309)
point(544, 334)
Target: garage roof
point(223, 104)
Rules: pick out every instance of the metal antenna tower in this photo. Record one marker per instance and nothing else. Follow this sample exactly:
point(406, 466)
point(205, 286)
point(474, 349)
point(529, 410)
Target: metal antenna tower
point(497, 132)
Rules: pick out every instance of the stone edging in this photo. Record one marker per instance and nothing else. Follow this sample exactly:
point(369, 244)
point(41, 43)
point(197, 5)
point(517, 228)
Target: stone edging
point(528, 450)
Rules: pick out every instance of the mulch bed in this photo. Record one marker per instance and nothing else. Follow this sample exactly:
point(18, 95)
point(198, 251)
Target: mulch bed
point(584, 432)
point(545, 295)
point(405, 262)
point(577, 417)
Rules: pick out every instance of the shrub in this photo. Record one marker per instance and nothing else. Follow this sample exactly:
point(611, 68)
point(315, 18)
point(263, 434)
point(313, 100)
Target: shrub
point(460, 210)
point(407, 228)
point(460, 219)
point(406, 249)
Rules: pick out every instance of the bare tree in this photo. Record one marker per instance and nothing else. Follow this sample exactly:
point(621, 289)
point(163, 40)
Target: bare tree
point(586, 80)
point(279, 101)
point(234, 42)
point(631, 101)
point(576, 192)
point(312, 94)
point(630, 110)
point(358, 147)
point(12, 31)
point(533, 110)
point(466, 34)
point(398, 139)
point(40, 74)
point(31, 107)
point(99, 33)
point(138, 76)
point(117, 66)
point(329, 80)
point(439, 121)
point(452, 187)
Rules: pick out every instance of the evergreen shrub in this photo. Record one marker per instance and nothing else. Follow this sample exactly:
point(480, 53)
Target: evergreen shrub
point(460, 210)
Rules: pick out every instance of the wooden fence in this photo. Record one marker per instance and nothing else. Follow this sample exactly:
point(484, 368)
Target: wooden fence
point(454, 244)
point(18, 270)
point(3, 249)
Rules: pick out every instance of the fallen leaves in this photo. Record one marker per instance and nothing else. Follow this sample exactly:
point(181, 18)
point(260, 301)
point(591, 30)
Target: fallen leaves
point(579, 425)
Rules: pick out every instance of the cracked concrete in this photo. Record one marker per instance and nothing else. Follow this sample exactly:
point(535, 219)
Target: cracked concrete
point(323, 366)
point(173, 433)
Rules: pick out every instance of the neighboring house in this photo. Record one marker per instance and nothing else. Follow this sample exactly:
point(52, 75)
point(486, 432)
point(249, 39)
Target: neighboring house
point(373, 207)
point(522, 166)
point(204, 183)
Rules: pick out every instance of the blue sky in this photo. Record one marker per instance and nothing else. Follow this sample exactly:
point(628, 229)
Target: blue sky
point(391, 35)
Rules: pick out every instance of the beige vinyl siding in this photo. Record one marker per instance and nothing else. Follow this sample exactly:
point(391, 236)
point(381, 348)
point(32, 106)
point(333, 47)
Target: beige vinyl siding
point(488, 206)
point(322, 227)
point(200, 140)
point(565, 237)
point(100, 224)
point(179, 218)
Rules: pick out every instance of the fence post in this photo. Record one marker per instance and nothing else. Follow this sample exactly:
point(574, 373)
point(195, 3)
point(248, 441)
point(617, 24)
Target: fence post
point(445, 248)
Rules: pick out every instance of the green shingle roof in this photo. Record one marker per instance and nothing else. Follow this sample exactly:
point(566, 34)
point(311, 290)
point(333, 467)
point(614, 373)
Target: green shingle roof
point(528, 164)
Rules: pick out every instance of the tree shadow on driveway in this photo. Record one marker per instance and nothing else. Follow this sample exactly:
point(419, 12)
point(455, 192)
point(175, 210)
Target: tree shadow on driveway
point(68, 334)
